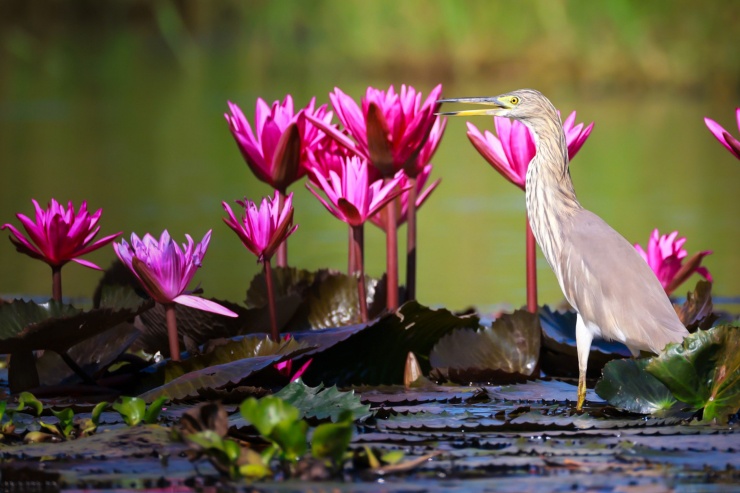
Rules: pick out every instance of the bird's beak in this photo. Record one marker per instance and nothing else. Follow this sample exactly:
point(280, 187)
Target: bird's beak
point(497, 104)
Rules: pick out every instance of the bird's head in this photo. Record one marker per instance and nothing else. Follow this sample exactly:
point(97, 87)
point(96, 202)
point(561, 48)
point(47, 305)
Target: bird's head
point(522, 104)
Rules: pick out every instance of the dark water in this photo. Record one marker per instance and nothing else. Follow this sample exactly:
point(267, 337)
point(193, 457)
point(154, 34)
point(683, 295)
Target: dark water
point(122, 121)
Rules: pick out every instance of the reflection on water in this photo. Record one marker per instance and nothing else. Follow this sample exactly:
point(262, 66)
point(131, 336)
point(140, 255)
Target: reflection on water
point(129, 130)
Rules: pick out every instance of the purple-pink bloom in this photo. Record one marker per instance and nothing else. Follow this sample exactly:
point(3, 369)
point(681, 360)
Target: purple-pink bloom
point(379, 219)
point(390, 129)
point(263, 230)
point(724, 137)
point(665, 256)
point(165, 269)
point(352, 198)
point(275, 149)
point(59, 235)
point(513, 149)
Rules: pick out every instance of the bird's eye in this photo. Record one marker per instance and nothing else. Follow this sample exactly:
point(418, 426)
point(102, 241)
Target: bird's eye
point(514, 100)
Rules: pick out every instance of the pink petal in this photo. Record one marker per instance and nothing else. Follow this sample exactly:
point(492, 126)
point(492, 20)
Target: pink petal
point(203, 304)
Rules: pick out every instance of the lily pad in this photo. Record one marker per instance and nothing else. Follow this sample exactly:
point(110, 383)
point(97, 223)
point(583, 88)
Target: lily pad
point(376, 354)
point(626, 385)
point(559, 356)
point(511, 345)
point(321, 403)
point(703, 371)
point(697, 310)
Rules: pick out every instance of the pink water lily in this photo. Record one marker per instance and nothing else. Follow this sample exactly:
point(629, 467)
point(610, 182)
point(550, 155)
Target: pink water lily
point(723, 136)
point(351, 196)
point(165, 269)
point(402, 210)
point(665, 256)
point(59, 235)
point(275, 149)
point(263, 229)
point(389, 129)
point(511, 151)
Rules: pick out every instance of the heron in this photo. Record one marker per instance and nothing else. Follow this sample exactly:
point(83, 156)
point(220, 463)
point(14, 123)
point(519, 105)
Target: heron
point(614, 291)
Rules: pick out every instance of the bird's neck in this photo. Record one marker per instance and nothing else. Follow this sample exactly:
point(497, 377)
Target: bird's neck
point(551, 199)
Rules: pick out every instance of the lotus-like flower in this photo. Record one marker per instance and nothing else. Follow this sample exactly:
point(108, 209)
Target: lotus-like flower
point(379, 218)
point(165, 269)
point(513, 149)
point(389, 130)
point(352, 198)
point(665, 255)
point(724, 137)
point(276, 149)
point(59, 235)
point(263, 230)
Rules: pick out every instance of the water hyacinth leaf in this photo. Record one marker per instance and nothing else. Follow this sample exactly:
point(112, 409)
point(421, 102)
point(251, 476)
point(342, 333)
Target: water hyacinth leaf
point(151, 415)
point(66, 421)
point(559, 356)
point(323, 403)
point(511, 345)
point(291, 438)
point(266, 413)
point(376, 354)
point(330, 440)
point(703, 371)
point(627, 385)
point(30, 400)
point(132, 409)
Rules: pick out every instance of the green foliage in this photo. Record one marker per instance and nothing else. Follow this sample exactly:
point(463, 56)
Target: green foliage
point(322, 403)
point(66, 421)
point(626, 385)
point(134, 410)
point(330, 440)
point(227, 456)
point(703, 371)
point(278, 422)
point(28, 399)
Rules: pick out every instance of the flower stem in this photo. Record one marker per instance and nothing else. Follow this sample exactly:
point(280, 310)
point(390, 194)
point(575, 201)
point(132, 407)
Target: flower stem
point(531, 271)
point(282, 250)
point(358, 244)
point(391, 247)
point(411, 242)
point(56, 282)
point(169, 310)
point(274, 333)
point(351, 262)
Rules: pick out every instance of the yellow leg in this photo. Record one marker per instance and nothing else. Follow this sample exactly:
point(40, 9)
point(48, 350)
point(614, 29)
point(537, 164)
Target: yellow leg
point(581, 390)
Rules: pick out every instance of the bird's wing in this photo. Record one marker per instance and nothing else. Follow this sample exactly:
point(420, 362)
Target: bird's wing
point(611, 286)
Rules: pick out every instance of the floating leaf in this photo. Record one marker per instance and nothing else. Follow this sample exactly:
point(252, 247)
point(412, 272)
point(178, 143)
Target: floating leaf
point(559, 356)
point(703, 371)
point(511, 345)
point(132, 409)
point(697, 310)
point(323, 403)
point(330, 440)
point(627, 385)
point(376, 353)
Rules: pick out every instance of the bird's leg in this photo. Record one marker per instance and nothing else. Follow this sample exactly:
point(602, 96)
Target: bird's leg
point(583, 345)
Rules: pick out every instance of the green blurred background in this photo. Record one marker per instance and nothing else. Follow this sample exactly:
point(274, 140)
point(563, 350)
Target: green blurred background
point(121, 103)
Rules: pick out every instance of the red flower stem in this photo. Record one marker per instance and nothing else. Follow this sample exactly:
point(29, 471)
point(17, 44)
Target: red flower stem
point(169, 310)
point(411, 242)
point(358, 244)
point(531, 271)
point(282, 250)
point(351, 262)
point(56, 282)
point(274, 333)
point(391, 253)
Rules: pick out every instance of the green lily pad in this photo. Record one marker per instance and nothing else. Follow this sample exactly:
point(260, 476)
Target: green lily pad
point(25, 325)
point(703, 371)
point(376, 354)
point(323, 403)
point(511, 345)
point(627, 385)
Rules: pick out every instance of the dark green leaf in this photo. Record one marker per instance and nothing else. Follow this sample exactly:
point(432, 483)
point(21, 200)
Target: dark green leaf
point(627, 385)
point(132, 409)
point(290, 436)
point(511, 345)
point(703, 371)
point(323, 403)
point(330, 440)
point(264, 414)
point(152, 413)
